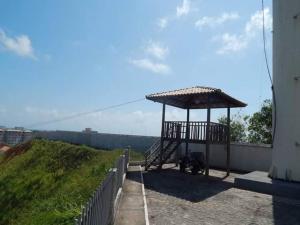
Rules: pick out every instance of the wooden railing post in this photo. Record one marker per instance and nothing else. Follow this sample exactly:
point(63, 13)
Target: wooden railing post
point(187, 135)
point(207, 143)
point(228, 142)
point(194, 132)
point(162, 136)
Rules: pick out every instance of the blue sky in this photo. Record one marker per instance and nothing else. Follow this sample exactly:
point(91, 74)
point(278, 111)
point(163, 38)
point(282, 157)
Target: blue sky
point(58, 58)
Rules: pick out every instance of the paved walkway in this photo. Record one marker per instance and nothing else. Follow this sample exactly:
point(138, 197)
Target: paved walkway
point(131, 209)
point(176, 198)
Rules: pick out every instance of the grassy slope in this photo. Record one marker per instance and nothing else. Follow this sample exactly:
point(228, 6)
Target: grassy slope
point(49, 182)
point(136, 155)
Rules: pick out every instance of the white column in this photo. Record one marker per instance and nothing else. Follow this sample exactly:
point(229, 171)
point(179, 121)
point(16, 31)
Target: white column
point(286, 76)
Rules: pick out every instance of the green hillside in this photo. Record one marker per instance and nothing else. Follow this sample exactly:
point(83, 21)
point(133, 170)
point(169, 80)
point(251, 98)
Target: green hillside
point(46, 182)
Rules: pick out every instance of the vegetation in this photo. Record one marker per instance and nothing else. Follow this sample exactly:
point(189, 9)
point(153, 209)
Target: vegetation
point(260, 125)
point(136, 155)
point(46, 182)
point(253, 129)
point(1, 156)
point(237, 127)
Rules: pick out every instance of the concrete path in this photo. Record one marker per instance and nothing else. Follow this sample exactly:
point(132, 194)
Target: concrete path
point(131, 209)
point(185, 199)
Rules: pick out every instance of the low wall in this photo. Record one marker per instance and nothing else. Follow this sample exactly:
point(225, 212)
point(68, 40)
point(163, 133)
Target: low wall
point(99, 140)
point(244, 157)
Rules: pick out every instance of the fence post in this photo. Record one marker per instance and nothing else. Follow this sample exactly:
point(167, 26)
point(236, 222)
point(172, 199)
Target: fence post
point(100, 208)
point(123, 169)
point(113, 194)
point(127, 150)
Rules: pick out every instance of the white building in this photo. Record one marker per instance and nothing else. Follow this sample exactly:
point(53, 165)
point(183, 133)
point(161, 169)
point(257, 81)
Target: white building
point(286, 76)
point(14, 136)
point(1, 135)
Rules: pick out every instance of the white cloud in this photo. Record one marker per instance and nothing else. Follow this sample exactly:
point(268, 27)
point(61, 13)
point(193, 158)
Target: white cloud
point(125, 122)
point(232, 43)
point(148, 64)
point(236, 42)
point(20, 45)
point(131, 119)
point(255, 23)
point(215, 21)
point(42, 112)
point(157, 50)
point(184, 9)
point(162, 22)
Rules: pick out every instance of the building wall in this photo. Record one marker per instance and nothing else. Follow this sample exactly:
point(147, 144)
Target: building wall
point(1, 136)
point(244, 157)
point(14, 137)
point(286, 76)
point(100, 140)
point(27, 135)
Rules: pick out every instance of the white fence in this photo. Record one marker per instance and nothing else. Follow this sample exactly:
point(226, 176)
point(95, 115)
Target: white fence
point(101, 208)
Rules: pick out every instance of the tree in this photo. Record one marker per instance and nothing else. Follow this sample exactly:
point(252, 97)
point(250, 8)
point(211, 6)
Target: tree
point(238, 128)
point(260, 125)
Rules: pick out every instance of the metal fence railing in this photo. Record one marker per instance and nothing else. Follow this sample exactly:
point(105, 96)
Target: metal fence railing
point(101, 207)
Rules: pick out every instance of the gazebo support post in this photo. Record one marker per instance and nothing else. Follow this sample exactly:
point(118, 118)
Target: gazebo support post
point(228, 141)
point(162, 135)
point(207, 142)
point(187, 135)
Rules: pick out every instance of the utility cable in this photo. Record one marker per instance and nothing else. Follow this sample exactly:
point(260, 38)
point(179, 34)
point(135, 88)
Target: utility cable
point(83, 113)
point(268, 70)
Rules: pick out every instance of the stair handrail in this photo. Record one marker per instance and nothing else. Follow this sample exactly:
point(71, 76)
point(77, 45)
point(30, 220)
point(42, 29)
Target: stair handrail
point(152, 147)
point(152, 150)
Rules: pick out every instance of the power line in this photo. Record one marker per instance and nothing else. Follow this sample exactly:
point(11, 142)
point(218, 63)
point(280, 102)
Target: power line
point(83, 113)
point(264, 41)
point(269, 72)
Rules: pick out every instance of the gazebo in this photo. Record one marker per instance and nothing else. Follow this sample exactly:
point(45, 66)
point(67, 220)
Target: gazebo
point(174, 133)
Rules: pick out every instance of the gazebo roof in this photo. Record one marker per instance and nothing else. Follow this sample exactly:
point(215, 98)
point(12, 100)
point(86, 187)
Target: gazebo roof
point(196, 98)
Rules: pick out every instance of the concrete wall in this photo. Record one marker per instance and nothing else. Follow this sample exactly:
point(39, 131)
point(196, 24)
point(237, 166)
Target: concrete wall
point(244, 157)
point(100, 140)
point(286, 76)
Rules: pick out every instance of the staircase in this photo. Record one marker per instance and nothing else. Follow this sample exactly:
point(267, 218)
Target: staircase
point(152, 155)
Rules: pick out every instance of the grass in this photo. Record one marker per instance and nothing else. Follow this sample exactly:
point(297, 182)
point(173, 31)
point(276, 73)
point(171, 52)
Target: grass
point(136, 155)
point(49, 181)
point(1, 156)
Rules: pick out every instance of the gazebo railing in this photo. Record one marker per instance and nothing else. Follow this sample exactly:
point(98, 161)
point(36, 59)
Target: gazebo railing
point(197, 131)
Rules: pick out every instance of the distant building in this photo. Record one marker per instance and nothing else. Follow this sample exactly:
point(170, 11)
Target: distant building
point(19, 128)
point(14, 136)
point(2, 135)
point(89, 130)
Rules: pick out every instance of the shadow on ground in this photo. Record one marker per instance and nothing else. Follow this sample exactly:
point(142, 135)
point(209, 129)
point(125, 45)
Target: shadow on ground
point(193, 188)
point(285, 211)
